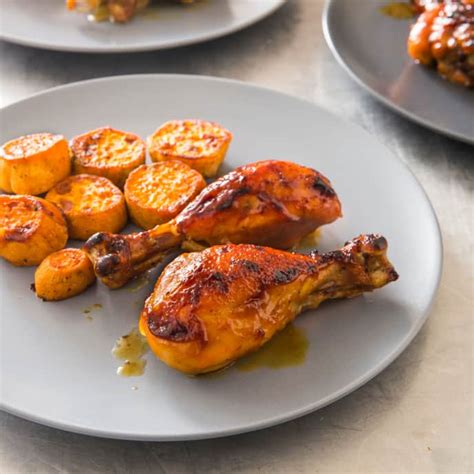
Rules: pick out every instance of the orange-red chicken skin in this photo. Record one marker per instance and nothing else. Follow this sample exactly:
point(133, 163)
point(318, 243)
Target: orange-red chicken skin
point(210, 308)
point(274, 203)
point(443, 36)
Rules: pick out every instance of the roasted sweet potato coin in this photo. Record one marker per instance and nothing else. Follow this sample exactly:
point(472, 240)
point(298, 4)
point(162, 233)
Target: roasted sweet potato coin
point(107, 152)
point(91, 204)
point(63, 274)
point(201, 145)
point(32, 164)
point(156, 193)
point(30, 229)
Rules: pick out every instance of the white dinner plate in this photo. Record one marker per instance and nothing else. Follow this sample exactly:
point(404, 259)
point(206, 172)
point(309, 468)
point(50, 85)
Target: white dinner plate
point(372, 49)
point(56, 366)
point(48, 24)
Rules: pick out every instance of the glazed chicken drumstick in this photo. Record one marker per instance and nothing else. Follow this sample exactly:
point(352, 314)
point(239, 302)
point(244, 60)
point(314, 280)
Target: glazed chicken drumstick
point(212, 307)
point(443, 37)
point(274, 203)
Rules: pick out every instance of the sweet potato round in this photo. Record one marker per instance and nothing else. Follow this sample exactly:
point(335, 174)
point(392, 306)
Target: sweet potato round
point(108, 152)
point(32, 164)
point(156, 193)
point(30, 229)
point(91, 204)
point(201, 145)
point(63, 274)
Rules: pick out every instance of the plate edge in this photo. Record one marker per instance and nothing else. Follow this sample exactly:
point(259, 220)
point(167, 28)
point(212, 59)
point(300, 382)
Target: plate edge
point(296, 414)
point(377, 95)
point(149, 47)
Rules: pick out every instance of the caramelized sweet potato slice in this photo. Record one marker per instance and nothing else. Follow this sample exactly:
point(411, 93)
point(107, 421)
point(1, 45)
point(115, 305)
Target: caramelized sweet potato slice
point(201, 145)
point(63, 274)
point(156, 193)
point(90, 204)
point(32, 164)
point(108, 152)
point(30, 229)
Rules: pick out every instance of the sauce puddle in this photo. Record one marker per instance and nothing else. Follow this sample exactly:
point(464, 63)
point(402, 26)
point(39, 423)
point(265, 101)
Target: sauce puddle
point(286, 349)
point(150, 13)
point(398, 10)
point(310, 241)
point(86, 311)
point(138, 283)
point(130, 349)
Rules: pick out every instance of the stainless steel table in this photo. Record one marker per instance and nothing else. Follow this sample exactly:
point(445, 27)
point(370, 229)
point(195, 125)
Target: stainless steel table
point(417, 416)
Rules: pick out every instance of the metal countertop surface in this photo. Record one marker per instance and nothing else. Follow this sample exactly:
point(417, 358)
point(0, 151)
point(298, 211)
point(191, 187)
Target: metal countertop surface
point(416, 416)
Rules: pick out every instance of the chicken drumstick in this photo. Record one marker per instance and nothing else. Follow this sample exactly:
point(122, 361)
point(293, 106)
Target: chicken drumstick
point(443, 36)
point(212, 307)
point(273, 203)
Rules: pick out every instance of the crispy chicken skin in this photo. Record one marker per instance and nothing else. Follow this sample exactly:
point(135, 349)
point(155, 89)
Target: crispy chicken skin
point(443, 36)
point(422, 5)
point(274, 203)
point(210, 308)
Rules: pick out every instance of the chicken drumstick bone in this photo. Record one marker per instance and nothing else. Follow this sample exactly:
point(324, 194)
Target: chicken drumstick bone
point(210, 308)
point(272, 203)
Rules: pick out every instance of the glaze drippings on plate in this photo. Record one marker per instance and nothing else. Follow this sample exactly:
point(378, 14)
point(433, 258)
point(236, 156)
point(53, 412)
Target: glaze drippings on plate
point(131, 349)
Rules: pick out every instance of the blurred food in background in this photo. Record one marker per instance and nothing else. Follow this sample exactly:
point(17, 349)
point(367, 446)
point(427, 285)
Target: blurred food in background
point(119, 11)
point(443, 37)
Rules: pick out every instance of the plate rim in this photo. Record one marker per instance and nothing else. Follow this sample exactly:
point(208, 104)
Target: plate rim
point(294, 414)
point(328, 36)
point(49, 46)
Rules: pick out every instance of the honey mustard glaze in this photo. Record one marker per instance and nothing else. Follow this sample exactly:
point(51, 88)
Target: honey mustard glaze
point(288, 348)
point(153, 10)
point(138, 283)
point(86, 311)
point(310, 241)
point(150, 13)
point(130, 349)
point(398, 10)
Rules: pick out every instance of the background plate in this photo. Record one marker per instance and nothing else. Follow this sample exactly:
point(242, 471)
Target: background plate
point(47, 24)
point(372, 49)
point(56, 367)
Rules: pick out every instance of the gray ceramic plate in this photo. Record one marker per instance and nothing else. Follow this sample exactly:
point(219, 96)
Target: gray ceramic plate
point(372, 49)
point(56, 367)
point(47, 24)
